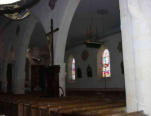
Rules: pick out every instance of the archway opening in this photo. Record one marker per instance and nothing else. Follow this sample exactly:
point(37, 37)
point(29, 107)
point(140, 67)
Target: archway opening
point(71, 65)
point(37, 58)
point(10, 67)
point(96, 24)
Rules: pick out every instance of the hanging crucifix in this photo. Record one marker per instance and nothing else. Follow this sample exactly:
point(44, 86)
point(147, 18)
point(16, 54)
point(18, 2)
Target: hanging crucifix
point(50, 41)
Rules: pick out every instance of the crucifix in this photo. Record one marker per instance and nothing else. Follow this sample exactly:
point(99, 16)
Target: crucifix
point(50, 41)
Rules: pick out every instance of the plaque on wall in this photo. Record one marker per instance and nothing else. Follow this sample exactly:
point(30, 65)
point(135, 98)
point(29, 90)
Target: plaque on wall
point(84, 55)
point(89, 72)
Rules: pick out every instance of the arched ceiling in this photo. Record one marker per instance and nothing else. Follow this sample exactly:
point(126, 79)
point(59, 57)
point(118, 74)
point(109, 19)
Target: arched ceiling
point(38, 37)
point(89, 12)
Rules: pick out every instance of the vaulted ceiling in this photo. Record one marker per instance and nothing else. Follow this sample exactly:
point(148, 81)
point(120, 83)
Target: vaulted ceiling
point(101, 15)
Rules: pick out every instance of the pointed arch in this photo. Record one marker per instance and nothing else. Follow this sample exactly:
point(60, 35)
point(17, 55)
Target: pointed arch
point(103, 62)
point(106, 64)
point(71, 68)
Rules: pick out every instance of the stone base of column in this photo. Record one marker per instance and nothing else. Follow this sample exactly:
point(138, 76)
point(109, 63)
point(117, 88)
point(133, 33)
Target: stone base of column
point(145, 108)
point(131, 105)
point(62, 80)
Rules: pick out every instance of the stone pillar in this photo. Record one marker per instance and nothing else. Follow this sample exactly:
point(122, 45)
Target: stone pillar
point(62, 80)
point(128, 57)
point(141, 19)
point(18, 80)
point(140, 12)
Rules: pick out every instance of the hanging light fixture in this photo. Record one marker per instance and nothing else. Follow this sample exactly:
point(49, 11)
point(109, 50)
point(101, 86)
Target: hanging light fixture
point(92, 36)
point(4, 2)
point(16, 9)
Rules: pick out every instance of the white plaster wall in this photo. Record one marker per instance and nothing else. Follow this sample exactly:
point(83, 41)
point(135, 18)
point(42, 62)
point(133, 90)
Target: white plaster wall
point(117, 78)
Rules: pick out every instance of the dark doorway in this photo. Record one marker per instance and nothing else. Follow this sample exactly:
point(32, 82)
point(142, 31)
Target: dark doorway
point(9, 78)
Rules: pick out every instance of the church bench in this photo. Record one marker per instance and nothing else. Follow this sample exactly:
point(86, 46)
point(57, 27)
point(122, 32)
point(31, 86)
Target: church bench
point(6, 106)
point(86, 108)
point(12, 108)
point(98, 112)
point(12, 105)
point(112, 112)
point(73, 104)
point(58, 106)
point(103, 112)
point(53, 107)
point(22, 105)
point(62, 102)
point(48, 107)
point(138, 113)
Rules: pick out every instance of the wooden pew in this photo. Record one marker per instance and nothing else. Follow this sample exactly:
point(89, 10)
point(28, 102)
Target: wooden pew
point(56, 105)
point(139, 113)
point(84, 108)
point(23, 105)
point(103, 112)
point(34, 105)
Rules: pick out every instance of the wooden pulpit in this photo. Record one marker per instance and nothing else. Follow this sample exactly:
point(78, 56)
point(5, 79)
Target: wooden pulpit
point(52, 73)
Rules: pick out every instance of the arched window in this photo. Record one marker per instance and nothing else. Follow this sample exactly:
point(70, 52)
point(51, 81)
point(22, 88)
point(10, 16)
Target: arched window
point(103, 63)
point(106, 63)
point(71, 68)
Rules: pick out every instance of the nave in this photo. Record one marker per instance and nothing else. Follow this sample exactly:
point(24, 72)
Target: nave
point(103, 104)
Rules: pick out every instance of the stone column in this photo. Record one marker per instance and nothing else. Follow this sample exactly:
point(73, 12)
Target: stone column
point(4, 64)
point(128, 57)
point(62, 80)
point(18, 80)
point(140, 13)
point(141, 20)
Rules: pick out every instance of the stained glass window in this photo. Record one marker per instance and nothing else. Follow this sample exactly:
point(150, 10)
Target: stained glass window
point(73, 69)
point(106, 64)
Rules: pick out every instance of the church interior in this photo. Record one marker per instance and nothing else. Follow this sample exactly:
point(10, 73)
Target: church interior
point(74, 58)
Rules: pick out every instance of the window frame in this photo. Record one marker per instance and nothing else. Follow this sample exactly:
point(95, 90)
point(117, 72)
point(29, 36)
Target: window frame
point(69, 69)
point(100, 61)
point(105, 61)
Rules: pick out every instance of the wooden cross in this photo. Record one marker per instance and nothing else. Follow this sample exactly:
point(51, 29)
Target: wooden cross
point(50, 40)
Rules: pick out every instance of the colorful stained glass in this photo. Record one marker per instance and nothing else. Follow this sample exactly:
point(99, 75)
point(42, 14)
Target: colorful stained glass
point(106, 63)
point(73, 69)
